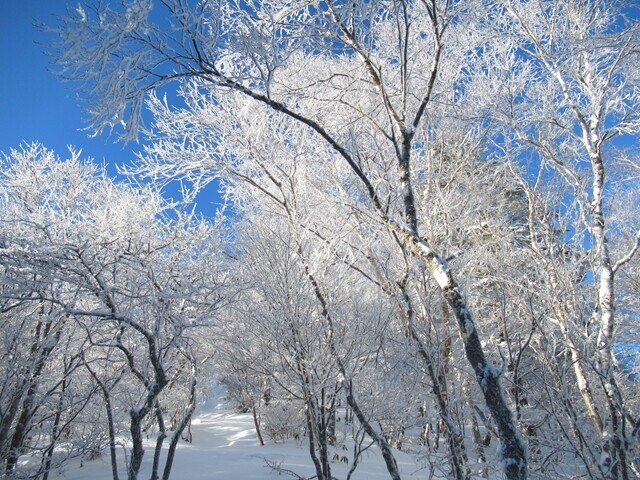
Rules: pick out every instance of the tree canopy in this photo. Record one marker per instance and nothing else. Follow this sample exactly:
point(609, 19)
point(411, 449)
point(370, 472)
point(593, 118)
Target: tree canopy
point(429, 229)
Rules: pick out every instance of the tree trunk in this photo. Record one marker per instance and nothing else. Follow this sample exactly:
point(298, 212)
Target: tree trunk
point(111, 425)
point(472, 420)
point(309, 416)
point(162, 434)
point(387, 455)
point(614, 447)
point(112, 437)
point(256, 423)
point(42, 334)
point(512, 450)
point(185, 419)
point(455, 444)
point(137, 451)
point(54, 434)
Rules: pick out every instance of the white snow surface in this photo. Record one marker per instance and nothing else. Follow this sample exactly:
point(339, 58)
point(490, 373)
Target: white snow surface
point(225, 446)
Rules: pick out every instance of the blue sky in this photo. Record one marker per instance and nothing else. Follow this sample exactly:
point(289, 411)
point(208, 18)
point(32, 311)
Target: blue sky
point(34, 104)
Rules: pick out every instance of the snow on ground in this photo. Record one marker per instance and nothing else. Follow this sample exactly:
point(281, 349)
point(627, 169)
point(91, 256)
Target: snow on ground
point(225, 446)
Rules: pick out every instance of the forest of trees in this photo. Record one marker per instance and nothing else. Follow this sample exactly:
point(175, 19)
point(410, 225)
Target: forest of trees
point(429, 240)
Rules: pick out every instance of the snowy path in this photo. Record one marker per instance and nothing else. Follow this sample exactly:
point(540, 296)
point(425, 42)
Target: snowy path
point(225, 446)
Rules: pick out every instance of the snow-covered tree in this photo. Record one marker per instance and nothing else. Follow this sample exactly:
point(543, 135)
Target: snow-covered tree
point(304, 63)
point(451, 155)
point(572, 110)
point(112, 284)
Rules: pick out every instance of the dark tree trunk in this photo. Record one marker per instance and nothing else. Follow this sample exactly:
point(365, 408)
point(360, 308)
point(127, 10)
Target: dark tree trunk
point(186, 419)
